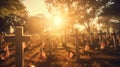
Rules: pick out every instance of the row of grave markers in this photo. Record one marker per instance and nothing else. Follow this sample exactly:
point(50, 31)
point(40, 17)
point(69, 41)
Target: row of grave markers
point(114, 35)
point(19, 38)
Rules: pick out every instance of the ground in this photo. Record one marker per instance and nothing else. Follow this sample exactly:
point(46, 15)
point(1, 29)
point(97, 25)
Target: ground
point(59, 58)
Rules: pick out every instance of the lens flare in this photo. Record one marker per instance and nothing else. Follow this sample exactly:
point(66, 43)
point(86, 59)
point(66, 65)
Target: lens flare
point(57, 20)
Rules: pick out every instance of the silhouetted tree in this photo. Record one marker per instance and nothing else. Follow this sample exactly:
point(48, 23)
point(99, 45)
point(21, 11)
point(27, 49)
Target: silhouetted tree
point(12, 13)
point(8, 7)
point(36, 24)
point(85, 12)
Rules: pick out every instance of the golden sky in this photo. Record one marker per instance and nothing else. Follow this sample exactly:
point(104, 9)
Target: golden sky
point(35, 7)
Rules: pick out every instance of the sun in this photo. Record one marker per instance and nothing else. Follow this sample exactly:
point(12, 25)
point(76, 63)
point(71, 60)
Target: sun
point(57, 20)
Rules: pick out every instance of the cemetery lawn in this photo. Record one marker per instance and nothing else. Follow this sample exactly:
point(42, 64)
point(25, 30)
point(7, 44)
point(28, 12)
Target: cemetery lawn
point(59, 58)
point(98, 58)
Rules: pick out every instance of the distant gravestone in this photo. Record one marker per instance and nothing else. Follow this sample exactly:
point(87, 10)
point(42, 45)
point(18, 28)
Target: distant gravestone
point(18, 38)
point(77, 44)
point(100, 35)
point(114, 39)
point(76, 36)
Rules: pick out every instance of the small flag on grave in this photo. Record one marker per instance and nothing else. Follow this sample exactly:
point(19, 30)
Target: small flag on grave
point(102, 46)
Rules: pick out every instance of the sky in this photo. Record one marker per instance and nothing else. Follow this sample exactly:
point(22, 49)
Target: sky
point(35, 7)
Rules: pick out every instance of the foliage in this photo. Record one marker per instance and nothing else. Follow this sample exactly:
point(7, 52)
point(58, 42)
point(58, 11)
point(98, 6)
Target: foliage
point(35, 24)
point(113, 10)
point(11, 20)
point(85, 12)
point(12, 13)
point(8, 7)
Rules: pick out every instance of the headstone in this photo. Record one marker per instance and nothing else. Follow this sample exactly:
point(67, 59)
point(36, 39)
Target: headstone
point(100, 35)
point(1, 39)
point(114, 39)
point(91, 37)
point(49, 46)
point(76, 36)
point(18, 38)
point(101, 40)
point(77, 44)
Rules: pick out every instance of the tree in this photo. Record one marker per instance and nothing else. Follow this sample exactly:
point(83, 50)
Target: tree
point(8, 7)
point(113, 10)
point(111, 13)
point(35, 24)
point(85, 12)
point(11, 20)
point(12, 13)
point(109, 22)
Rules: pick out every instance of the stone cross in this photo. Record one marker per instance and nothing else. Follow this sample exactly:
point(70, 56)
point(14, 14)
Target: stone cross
point(76, 35)
point(18, 38)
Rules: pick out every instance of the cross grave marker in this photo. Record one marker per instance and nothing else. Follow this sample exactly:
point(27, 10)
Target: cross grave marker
point(76, 35)
point(77, 44)
point(114, 40)
point(18, 38)
point(100, 35)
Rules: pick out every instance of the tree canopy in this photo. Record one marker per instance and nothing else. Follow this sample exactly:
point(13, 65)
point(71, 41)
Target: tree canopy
point(85, 12)
point(113, 10)
point(12, 13)
point(36, 24)
point(8, 7)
